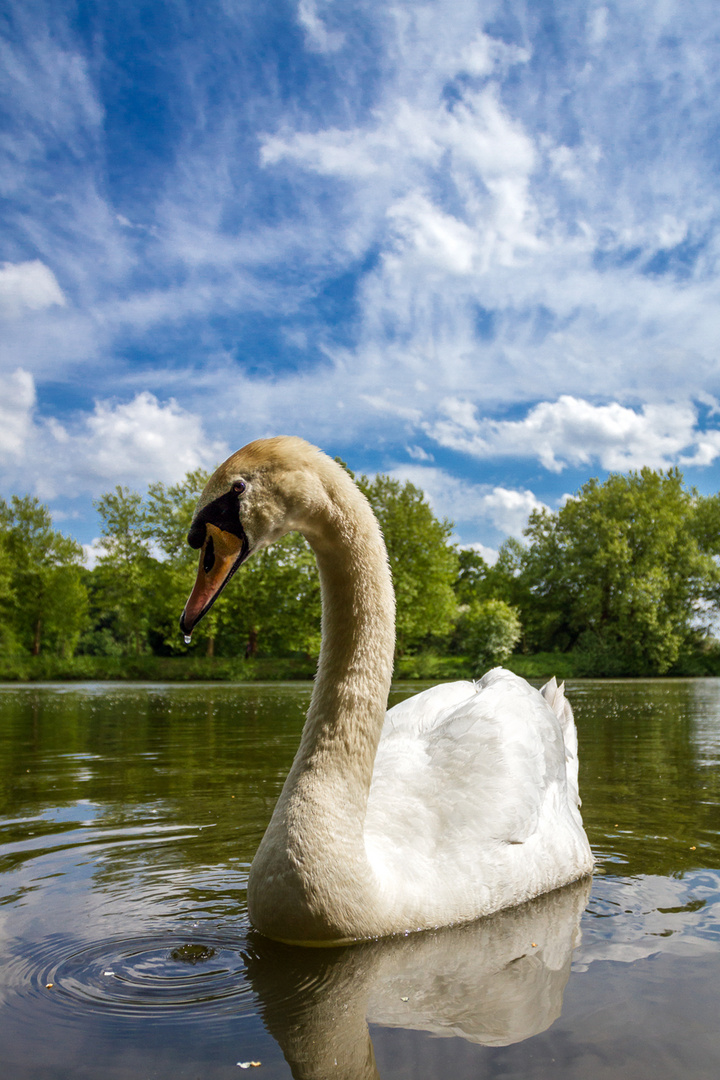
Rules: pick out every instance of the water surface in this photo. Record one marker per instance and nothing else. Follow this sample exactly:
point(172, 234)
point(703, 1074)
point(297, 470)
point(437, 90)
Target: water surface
point(128, 820)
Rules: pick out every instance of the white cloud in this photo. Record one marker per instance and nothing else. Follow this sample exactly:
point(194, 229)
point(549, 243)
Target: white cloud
point(598, 25)
point(92, 552)
point(130, 443)
point(49, 85)
point(417, 453)
point(144, 440)
point(28, 286)
point(431, 237)
point(485, 153)
point(504, 509)
point(571, 431)
point(469, 205)
point(17, 400)
point(388, 407)
point(549, 237)
point(510, 508)
point(318, 38)
point(484, 55)
point(358, 153)
point(489, 554)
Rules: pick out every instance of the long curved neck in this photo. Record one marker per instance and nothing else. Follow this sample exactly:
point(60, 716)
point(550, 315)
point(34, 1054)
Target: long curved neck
point(349, 699)
point(310, 879)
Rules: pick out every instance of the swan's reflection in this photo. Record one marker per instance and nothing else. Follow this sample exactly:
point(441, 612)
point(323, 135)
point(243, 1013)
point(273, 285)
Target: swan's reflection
point(494, 982)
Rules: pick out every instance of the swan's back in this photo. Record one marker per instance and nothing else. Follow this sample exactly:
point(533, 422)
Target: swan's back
point(473, 802)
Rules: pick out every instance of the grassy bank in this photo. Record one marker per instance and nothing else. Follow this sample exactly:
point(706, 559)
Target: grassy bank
point(148, 668)
point(425, 666)
point(583, 665)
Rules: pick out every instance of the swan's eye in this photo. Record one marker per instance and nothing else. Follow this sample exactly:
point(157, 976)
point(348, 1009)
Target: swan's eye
point(238, 487)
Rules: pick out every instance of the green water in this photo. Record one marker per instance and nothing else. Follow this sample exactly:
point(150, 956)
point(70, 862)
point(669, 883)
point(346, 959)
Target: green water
point(128, 819)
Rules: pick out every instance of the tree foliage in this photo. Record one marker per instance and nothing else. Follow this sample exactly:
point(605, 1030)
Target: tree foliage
point(625, 576)
point(124, 574)
point(423, 562)
point(622, 570)
point(41, 586)
point(488, 631)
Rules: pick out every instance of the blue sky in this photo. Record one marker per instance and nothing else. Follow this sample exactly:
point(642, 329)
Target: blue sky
point(473, 244)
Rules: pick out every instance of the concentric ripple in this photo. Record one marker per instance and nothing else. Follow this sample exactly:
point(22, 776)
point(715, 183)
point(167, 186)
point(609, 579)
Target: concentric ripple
point(157, 974)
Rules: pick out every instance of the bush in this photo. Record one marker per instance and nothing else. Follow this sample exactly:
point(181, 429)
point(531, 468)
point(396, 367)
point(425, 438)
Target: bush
point(488, 631)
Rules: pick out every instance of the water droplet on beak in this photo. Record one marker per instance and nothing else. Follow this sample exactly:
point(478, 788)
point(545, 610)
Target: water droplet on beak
point(187, 638)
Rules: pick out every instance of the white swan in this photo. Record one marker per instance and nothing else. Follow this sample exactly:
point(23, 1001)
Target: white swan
point(458, 802)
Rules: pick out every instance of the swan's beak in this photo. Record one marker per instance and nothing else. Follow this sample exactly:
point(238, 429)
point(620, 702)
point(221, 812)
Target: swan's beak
point(220, 555)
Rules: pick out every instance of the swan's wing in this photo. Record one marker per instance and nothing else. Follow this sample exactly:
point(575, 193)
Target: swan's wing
point(423, 711)
point(463, 767)
point(555, 697)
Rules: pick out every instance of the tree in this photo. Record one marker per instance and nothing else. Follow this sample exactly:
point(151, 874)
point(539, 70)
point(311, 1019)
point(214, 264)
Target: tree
point(40, 578)
point(124, 572)
point(488, 631)
point(276, 601)
point(621, 570)
point(472, 576)
point(424, 563)
point(8, 640)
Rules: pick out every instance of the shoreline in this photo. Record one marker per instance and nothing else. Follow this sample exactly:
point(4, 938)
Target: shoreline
point(423, 667)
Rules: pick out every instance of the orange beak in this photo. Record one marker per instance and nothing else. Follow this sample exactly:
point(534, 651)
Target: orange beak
point(221, 554)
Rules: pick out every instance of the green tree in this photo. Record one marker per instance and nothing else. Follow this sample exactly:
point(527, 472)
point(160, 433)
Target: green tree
point(124, 576)
point(276, 601)
point(622, 570)
point(472, 576)
point(488, 631)
point(41, 584)
point(8, 640)
point(424, 563)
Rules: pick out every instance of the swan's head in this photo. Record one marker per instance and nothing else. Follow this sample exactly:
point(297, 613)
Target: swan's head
point(260, 493)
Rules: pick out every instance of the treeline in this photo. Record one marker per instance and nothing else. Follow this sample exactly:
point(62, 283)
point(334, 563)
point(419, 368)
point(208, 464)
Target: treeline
point(624, 580)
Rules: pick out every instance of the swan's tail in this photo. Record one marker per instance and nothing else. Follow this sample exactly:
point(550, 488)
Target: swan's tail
point(555, 697)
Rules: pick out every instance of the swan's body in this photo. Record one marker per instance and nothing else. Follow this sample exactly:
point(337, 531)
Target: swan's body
point(458, 802)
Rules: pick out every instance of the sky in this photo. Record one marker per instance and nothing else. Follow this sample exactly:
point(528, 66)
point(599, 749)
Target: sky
point(472, 244)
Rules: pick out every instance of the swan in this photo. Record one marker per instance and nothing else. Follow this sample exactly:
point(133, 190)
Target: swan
point(454, 804)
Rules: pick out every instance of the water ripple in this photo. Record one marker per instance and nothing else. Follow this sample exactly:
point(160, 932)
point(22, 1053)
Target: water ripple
point(155, 975)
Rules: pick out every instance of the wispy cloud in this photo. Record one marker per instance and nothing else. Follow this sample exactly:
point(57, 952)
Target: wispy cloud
point(432, 226)
point(317, 35)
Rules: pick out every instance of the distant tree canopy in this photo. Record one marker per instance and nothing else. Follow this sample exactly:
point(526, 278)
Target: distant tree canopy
point(626, 575)
point(422, 559)
point(626, 570)
point(43, 599)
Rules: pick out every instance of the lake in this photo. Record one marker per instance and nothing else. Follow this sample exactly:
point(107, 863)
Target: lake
point(129, 815)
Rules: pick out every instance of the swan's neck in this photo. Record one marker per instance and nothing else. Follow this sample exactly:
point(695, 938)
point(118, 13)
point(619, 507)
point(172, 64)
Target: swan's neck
point(311, 871)
point(349, 699)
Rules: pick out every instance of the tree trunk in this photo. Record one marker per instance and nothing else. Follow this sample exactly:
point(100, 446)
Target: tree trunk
point(36, 638)
point(210, 649)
